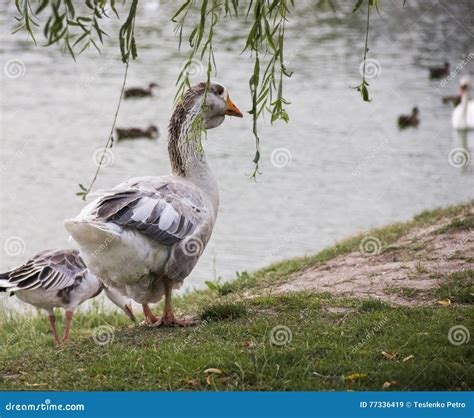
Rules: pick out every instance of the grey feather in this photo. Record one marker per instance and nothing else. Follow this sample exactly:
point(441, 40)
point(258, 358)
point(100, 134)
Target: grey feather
point(49, 270)
point(167, 214)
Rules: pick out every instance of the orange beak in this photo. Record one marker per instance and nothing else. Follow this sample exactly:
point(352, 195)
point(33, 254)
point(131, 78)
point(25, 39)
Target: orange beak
point(232, 109)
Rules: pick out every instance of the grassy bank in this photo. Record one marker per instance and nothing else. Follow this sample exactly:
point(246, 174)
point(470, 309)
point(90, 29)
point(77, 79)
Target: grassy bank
point(253, 338)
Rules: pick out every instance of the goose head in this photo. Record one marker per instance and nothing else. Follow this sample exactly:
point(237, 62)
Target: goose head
point(415, 111)
point(152, 131)
point(215, 103)
point(465, 85)
point(124, 303)
point(211, 102)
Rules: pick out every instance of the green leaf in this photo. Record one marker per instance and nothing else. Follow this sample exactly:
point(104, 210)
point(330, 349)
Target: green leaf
point(180, 10)
point(357, 6)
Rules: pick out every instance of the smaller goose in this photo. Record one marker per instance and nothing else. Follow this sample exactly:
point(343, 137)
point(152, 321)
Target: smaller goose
point(455, 100)
point(138, 92)
point(404, 121)
point(438, 72)
point(58, 279)
point(134, 133)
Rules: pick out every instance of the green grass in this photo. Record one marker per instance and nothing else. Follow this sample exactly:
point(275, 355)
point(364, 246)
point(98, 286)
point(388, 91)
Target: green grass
point(336, 343)
point(223, 311)
point(458, 287)
point(458, 224)
point(406, 292)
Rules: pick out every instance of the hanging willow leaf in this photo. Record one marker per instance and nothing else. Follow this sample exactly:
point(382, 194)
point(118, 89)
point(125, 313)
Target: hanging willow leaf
point(76, 27)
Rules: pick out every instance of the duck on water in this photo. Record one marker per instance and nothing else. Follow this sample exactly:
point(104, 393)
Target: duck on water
point(139, 92)
point(136, 133)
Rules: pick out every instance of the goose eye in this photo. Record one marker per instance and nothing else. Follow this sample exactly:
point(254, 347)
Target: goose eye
point(220, 90)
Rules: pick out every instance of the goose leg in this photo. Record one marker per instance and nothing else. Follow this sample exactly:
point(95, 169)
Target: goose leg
point(52, 324)
point(69, 316)
point(168, 319)
point(150, 319)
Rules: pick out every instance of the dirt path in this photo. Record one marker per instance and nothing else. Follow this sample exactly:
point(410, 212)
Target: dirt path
point(404, 273)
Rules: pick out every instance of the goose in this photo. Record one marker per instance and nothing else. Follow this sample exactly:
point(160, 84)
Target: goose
point(463, 114)
point(404, 121)
point(134, 133)
point(58, 279)
point(156, 228)
point(138, 92)
point(438, 72)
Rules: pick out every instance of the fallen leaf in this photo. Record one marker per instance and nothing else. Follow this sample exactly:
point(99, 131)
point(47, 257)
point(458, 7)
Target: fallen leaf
point(213, 370)
point(192, 382)
point(248, 344)
point(389, 355)
point(408, 358)
point(10, 376)
point(444, 302)
point(355, 376)
point(389, 384)
point(35, 385)
point(209, 379)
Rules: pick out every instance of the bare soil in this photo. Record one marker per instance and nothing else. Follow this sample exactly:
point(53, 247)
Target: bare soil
point(404, 273)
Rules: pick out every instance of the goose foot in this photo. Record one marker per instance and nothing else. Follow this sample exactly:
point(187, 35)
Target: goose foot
point(173, 322)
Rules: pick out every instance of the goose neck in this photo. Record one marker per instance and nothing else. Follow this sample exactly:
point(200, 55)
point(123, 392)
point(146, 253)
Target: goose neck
point(186, 154)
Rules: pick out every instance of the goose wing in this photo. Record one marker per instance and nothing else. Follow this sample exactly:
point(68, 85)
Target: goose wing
point(49, 270)
point(167, 211)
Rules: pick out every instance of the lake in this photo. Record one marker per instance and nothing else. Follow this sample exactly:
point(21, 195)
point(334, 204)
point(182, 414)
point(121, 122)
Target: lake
point(338, 167)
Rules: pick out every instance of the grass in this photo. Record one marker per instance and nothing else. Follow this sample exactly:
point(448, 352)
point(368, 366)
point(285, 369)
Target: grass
point(333, 345)
point(406, 292)
point(223, 311)
point(458, 287)
point(250, 341)
point(458, 223)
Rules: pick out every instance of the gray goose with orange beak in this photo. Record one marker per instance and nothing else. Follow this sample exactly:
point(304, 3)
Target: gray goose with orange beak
point(58, 279)
point(144, 237)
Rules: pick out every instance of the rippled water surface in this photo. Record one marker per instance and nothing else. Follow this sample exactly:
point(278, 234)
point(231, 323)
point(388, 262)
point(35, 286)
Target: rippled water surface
point(346, 166)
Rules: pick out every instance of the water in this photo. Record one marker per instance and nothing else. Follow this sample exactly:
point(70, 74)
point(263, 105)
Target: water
point(351, 168)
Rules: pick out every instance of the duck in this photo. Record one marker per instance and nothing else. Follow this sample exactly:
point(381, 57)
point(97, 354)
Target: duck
point(139, 92)
point(157, 227)
point(454, 100)
point(404, 121)
point(438, 72)
point(58, 279)
point(463, 114)
point(134, 133)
